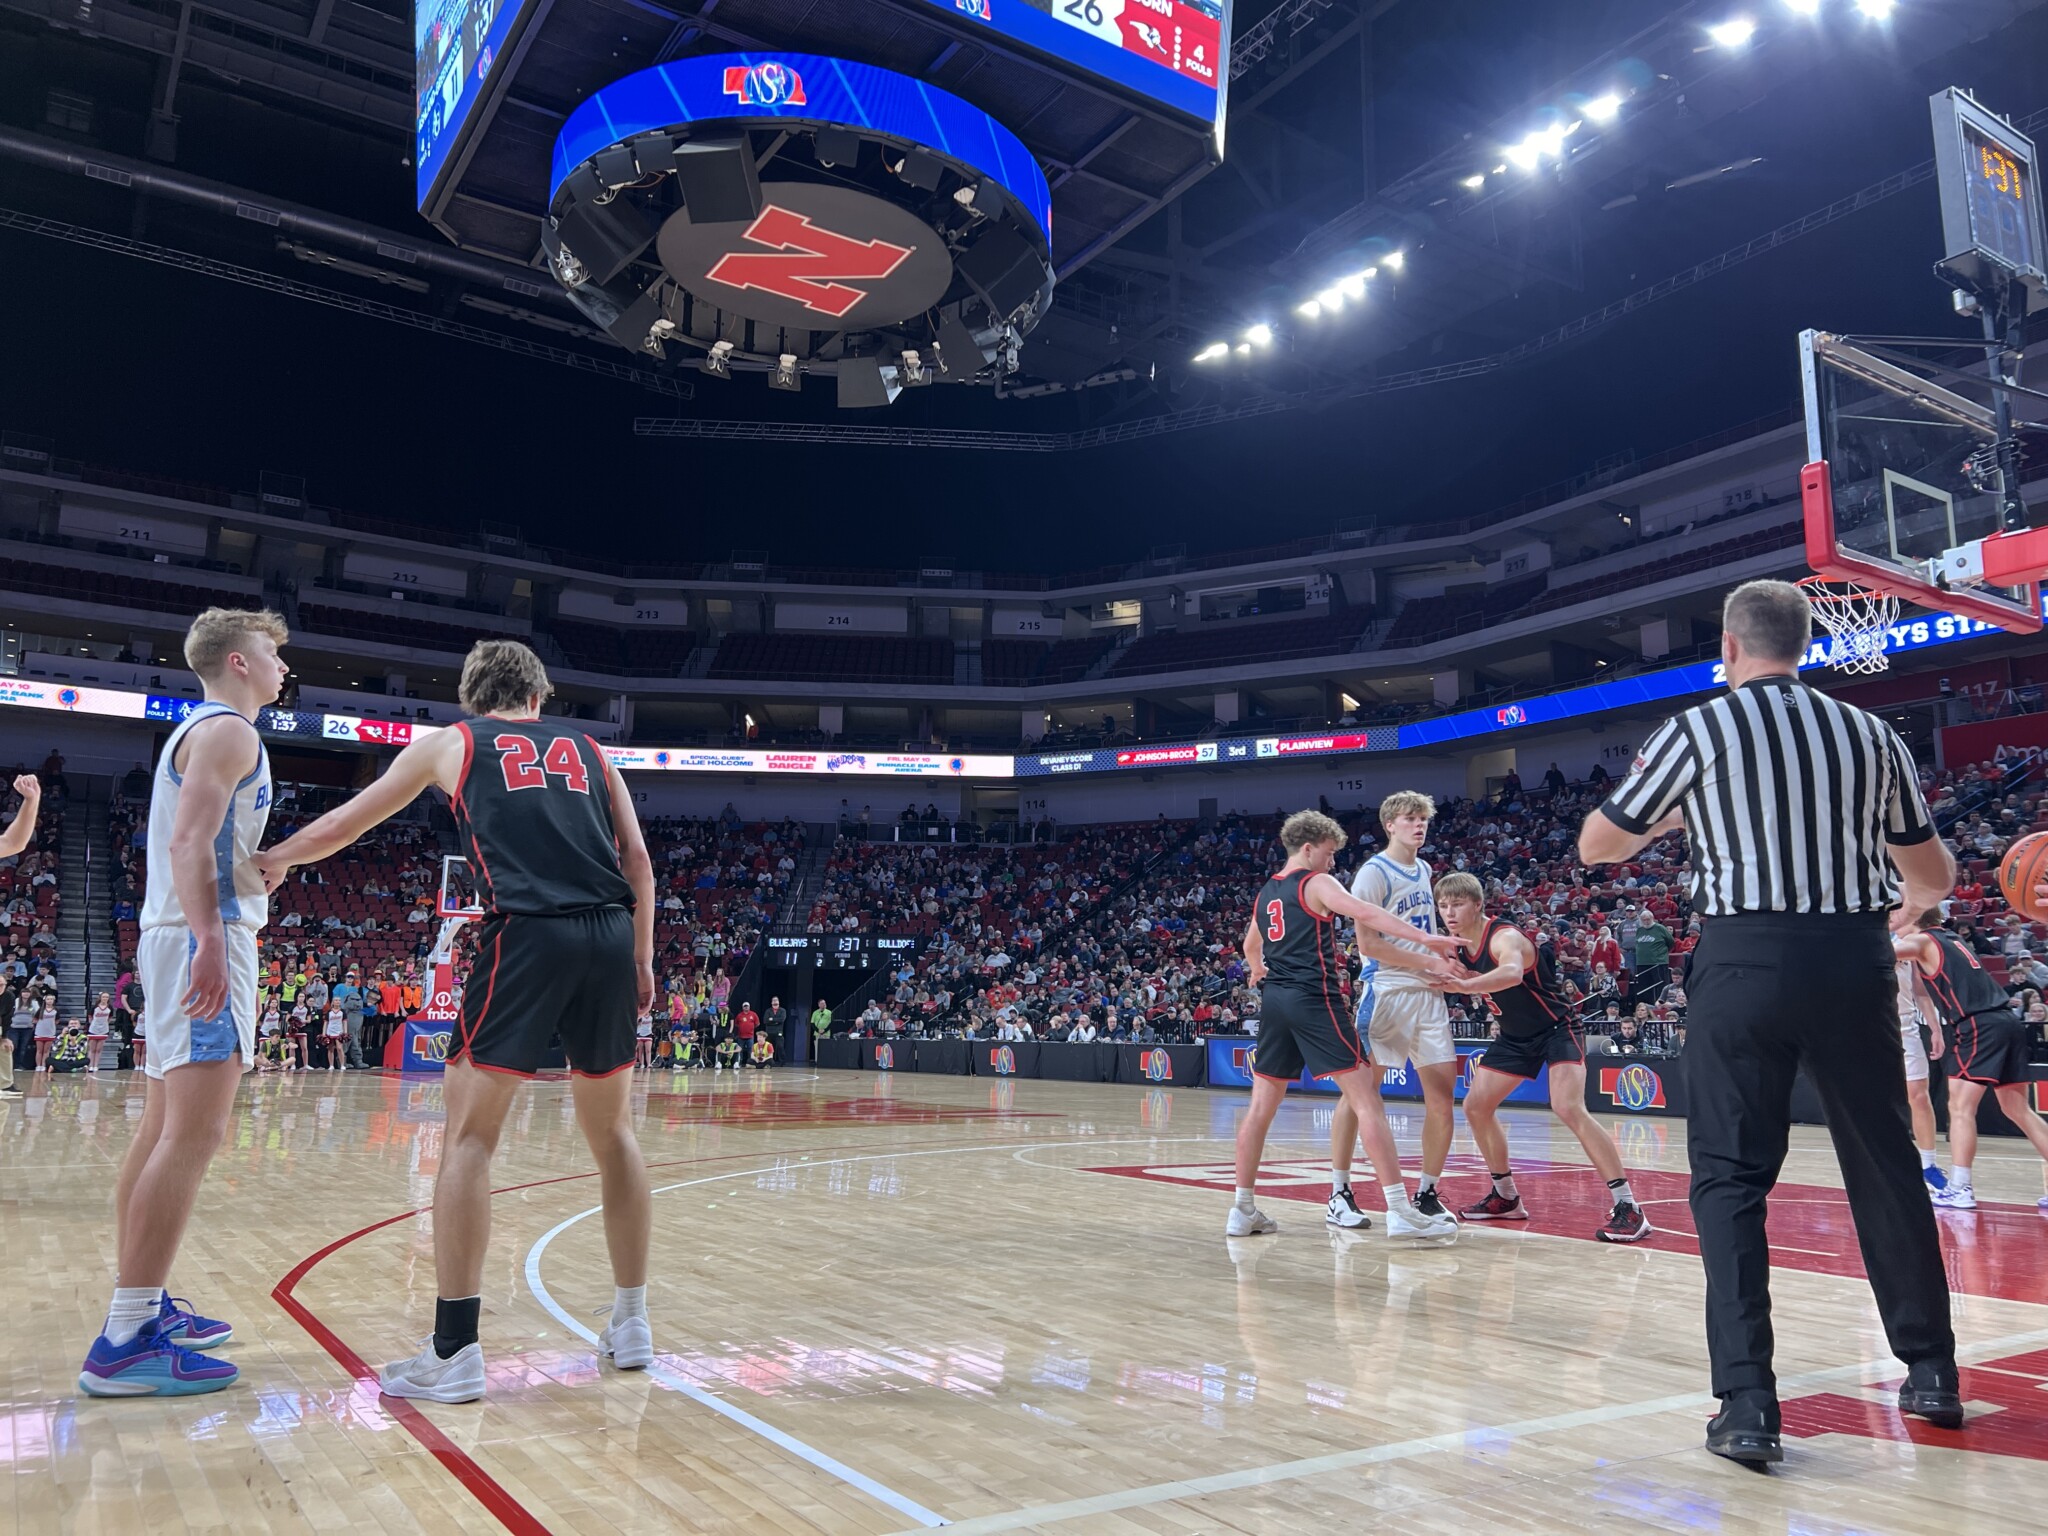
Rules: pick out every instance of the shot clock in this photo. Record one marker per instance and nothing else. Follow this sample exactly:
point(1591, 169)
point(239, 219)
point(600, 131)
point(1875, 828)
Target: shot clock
point(1990, 184)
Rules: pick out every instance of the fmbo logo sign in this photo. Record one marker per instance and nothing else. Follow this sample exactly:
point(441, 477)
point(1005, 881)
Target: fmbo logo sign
point(764, 85)
point(1634, 1086)
point(1157, 1065)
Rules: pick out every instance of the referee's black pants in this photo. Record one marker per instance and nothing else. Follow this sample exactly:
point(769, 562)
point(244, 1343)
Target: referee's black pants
point(1772, 993)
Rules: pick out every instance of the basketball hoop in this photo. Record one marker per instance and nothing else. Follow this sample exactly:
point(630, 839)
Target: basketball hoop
point(1856, 618)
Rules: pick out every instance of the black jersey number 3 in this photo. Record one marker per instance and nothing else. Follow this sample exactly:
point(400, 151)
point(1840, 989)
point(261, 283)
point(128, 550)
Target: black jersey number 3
point(1276, 921)
point(526, 767)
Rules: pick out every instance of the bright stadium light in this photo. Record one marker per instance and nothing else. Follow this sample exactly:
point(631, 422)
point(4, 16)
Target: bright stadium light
point(1244, 347)
point(1211, 352)
point(1735, 32)
point(1312, 309)
point(1260, 335)
point(1331, 299)
point(1604, 109)
point(1803, 7)
point(1525, 154)
point(1473, 183)
point(1876, 10)
point(1392, 261)
point(1353, 286)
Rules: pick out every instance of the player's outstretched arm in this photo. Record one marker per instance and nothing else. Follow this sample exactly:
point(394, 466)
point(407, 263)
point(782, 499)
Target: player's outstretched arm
point(1513, 957)
point(15, 839)
point(1386, 952)
point(219, 753)
point(1331, 895)
point(639, 872)
point(434, 759)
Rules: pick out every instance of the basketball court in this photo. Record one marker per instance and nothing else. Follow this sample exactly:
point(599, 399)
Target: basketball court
point(888, 1304)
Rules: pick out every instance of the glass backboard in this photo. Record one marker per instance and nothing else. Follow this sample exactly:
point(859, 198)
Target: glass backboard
point(1900, 472)
point(460, 896)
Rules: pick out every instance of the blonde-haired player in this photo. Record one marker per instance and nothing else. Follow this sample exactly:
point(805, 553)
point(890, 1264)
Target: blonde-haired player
point(1291, 949)
point(1400, 1010)
point(203, 905)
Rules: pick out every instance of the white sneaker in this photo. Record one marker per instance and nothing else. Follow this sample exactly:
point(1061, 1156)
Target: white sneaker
point(1249, 1223)
point(630, 1344)
point(1957, 1197)
point(458, 1379)
point(1343, 1211)
point(1404, 1220)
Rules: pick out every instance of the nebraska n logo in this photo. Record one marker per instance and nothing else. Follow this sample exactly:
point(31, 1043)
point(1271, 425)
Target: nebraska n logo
point(809, 263)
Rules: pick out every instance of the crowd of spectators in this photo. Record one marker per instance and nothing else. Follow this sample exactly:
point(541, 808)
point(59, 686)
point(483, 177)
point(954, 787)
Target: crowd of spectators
point(30, 901)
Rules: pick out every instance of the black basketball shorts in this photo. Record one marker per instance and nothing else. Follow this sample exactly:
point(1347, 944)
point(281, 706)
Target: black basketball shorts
point(1988, 1048)
point(571, 975)
point(1299, 1028)
point(1525, 1055)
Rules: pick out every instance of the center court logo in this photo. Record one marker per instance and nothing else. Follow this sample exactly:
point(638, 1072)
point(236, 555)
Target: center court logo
point(1002, 1061)
point(1157, 1065)
point(1632, 1087)
point(765, 85)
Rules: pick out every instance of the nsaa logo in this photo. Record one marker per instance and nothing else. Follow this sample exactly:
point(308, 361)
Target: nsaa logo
point(885, 1058)
point(1511, 714)
point(432, 1047)
point(1002, 1061)
point(1632, 1087)
point(1157, 1065)
point(765, 85)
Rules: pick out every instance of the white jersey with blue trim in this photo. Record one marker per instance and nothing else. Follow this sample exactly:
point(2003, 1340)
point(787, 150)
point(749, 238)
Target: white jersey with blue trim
point(236, 878)
point(1407, 892)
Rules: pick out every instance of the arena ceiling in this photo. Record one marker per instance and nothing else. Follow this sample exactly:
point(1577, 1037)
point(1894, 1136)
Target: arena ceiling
point(1356, 130)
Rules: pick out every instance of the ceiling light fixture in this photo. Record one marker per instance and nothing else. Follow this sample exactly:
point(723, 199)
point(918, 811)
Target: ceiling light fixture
point(1735, 32)
point(1604, 109)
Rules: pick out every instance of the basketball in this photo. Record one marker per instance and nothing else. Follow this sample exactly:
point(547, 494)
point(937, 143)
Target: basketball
point(2023, 868)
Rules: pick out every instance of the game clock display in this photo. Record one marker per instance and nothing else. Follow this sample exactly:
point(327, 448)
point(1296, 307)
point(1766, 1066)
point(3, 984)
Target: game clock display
point(1173, 52)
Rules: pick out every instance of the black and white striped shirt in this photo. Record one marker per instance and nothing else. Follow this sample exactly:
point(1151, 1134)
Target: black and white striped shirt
point(1790, 798)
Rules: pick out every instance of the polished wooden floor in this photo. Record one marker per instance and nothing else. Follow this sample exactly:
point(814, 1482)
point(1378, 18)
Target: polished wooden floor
point(885, 1304)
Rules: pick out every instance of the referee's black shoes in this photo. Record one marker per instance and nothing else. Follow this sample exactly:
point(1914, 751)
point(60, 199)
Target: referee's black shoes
point(1930, 1390)
point(1746, 1430)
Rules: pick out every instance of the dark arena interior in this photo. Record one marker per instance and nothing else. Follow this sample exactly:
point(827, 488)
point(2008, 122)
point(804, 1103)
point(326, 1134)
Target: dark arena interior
point(1127, 606)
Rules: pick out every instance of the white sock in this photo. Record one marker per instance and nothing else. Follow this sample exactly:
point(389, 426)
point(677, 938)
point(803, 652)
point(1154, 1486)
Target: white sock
point(1960, 1174)
point(1618, 1188)
point(628, 1301)
point(1244, 1199)
point(133, 1306)
point(1396, 1196)
point(1425, 1184)
point(1340, 1179)
point(1926, 1157)
point(1504, 1186)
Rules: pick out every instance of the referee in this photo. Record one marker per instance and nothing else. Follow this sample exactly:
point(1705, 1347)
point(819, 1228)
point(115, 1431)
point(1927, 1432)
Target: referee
point(1792, 802)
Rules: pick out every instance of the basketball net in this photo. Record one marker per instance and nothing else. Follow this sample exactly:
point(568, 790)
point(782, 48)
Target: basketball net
point(1856, 618)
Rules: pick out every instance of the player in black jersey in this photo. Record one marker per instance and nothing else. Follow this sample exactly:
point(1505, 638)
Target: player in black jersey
point(1305, 1020)
point(1536, 1028)
point(1987, 1048)
point(566, 947)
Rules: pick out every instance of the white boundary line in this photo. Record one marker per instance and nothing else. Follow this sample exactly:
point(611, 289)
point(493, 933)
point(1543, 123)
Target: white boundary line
point(676, 1381)
point(1454, 1440)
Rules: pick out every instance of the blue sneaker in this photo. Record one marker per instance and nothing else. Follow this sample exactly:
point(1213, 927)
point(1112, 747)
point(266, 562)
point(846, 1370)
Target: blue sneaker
point(175, 1319)
point(1937, 1181)
point(150, 1365)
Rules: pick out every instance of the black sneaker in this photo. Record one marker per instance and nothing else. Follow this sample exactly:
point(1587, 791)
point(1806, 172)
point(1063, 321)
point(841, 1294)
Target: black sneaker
point(1627, 1224)
point(1426, 1201)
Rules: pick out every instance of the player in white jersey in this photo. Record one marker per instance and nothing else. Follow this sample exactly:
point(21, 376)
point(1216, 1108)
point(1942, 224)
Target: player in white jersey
point(1918, 1055)
point(1400, 1009)
point(203, 904)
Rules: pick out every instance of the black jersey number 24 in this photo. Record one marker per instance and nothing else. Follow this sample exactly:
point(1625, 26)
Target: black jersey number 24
point(528, 767)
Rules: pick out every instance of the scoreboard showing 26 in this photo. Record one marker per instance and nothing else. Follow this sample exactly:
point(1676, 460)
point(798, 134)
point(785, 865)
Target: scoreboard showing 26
point(1172, 53)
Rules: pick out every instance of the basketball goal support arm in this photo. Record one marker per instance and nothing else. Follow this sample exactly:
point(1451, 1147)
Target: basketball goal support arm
point(2001, 560)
